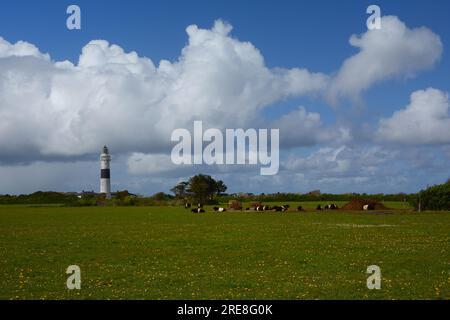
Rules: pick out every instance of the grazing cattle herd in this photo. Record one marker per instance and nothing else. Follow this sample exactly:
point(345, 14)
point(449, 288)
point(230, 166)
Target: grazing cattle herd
point(266, 208)
point(356, 204)
point(327, 207)
point(260, 207)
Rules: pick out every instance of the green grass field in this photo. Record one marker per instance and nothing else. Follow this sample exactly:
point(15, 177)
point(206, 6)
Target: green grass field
point(168, 253)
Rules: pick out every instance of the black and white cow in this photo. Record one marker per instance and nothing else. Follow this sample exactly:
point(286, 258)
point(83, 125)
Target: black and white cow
point(282, 208)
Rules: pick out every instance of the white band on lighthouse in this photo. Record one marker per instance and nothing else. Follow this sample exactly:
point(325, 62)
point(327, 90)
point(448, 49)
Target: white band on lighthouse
point(105, 182)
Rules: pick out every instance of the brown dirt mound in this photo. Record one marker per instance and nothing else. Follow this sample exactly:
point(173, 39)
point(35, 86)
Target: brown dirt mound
point(357, 204)
point(234, 205)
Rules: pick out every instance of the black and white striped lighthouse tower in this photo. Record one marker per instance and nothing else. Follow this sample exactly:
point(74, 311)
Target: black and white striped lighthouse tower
point(105, 182)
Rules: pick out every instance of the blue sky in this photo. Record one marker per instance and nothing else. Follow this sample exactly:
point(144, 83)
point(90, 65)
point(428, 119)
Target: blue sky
point(286, 31)
point(289, 34)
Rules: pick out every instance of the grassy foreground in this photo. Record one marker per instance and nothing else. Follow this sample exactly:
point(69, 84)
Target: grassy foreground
point(168, 253)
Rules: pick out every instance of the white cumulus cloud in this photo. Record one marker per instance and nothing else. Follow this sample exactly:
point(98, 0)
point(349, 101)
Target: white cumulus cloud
point(426, 120)
point(392, 51)
point(300, 128)
point(60, 109)
point(20, 49)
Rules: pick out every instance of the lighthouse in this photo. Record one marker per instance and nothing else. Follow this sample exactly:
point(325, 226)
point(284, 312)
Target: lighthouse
point(105, 182)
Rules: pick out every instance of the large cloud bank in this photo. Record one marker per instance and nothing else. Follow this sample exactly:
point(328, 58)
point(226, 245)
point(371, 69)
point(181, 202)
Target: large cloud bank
point(60, 109)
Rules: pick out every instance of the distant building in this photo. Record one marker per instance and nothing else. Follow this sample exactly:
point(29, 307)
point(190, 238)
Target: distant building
point(242, 194)
point(81, 194)
point(314, 193)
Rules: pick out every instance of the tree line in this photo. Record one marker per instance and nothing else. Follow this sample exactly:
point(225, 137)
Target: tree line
point(206, 190)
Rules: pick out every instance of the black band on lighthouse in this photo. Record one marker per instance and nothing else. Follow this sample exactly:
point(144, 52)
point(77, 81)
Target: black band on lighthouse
point(105, 174)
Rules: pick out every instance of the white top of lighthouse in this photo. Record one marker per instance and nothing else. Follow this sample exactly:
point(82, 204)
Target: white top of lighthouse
point(105, 158)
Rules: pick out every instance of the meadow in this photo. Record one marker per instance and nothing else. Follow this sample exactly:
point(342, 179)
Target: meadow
point(170, 253)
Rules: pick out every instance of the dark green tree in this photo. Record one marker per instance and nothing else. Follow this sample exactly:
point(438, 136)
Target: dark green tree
point(220, 187)
point(200, 188)
point(180, 190)
point(160, 196)
point(120, 195)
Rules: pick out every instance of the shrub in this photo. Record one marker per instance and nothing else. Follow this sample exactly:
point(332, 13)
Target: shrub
point(235, 205)
point(433, 198)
